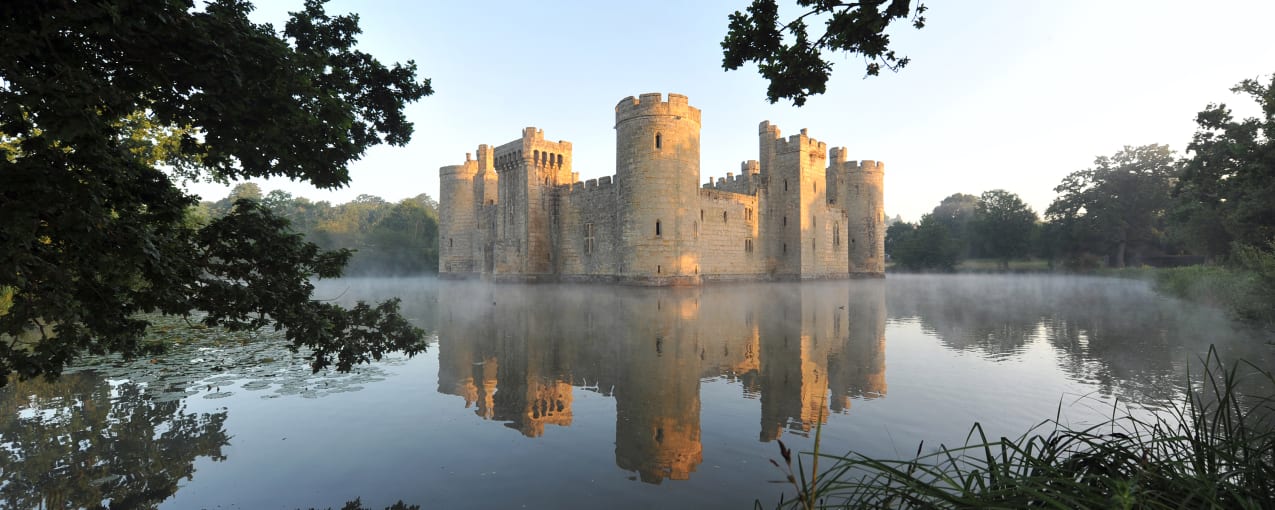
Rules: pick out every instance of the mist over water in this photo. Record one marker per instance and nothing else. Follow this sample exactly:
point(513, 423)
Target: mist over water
point(583, 396)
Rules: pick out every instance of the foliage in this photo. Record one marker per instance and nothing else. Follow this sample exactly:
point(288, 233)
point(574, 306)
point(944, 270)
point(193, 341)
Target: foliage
point(796, 68)
point(1245, 286)
point(387, 238)
point(1213, 450)
point(96, 231)
point(1003, 226)
point(930, 246)
point(896, 235)
point(957, 213)
point(1227, 188)
point(1120, 204)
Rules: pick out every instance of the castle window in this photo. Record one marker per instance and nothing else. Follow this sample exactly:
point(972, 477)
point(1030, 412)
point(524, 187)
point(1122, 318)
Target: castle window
point(701, 215)
point(785, 247)
point(815, 186)
point(658, 269)
point(588, 238)
point(535, 156)
point(785, 184)
point(748, 214)
point(785, 221)
point(836, 233)
point(559, 160)
point(658, 141)
point(696, 225)
point(449, 242)
point(657, 228)
point(748, 245)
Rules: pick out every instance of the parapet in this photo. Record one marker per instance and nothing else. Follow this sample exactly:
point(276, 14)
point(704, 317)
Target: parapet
point(653, 104)
point(800, 142)
point(767, 127)
point(868, 166)
point(463, 171)
point(836, 155)
point(749, 167)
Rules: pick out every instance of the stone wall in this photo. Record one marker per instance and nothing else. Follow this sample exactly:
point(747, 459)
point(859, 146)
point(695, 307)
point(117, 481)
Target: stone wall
point(517, 212)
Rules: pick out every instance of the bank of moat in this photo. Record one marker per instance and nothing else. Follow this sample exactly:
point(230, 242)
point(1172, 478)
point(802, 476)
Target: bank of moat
point(517, 213)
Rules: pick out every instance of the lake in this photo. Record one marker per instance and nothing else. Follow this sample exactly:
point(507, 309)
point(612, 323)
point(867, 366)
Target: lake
point(587, 396)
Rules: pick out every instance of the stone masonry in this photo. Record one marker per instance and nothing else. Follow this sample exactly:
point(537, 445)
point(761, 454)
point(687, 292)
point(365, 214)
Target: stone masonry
point(518, 213)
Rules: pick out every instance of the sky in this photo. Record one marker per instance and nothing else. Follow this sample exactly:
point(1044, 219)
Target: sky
point(999, 94)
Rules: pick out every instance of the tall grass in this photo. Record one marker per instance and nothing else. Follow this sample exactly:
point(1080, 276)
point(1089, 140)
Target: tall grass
point(1245, 286)
point(1212, 450)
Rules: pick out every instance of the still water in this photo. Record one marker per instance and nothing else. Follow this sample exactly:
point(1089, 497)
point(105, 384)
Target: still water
point(564, 396)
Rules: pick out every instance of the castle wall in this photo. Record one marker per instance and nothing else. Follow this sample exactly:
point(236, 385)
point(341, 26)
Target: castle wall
point(517, 213)
point(729, 236)
point(587, 234)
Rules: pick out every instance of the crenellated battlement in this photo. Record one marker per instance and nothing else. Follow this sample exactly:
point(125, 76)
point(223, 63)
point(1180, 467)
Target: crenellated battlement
point(800, 142)
point(517, 211)
point(867, 166)
point(653, 104)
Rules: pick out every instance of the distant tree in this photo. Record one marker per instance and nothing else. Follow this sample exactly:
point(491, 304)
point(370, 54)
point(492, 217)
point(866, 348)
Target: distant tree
point(1120, 203)
point(796, 67)
point(896, 235)
point(1003, 226)
point(957, 213)
point(1227, 189)
point(930, 247)
point(95, 229)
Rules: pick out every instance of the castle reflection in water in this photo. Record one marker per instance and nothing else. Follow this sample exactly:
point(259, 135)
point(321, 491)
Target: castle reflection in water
point(517, 354)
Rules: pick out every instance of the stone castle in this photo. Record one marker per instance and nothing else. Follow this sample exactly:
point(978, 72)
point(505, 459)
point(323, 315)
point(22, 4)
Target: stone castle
point(518, 213)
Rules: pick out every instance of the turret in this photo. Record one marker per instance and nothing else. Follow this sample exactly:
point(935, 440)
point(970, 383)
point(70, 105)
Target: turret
point(457, 218)
point(657, 170)
point(863, 196)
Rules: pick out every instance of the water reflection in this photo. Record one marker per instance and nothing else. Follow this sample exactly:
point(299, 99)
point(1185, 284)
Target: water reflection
point(516, 355)
point(85, 442)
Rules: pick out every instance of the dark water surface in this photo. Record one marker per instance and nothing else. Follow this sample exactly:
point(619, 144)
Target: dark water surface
point(564, 396)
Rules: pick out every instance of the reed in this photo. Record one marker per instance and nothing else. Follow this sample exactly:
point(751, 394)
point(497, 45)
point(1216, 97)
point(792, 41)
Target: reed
point(1213, 449)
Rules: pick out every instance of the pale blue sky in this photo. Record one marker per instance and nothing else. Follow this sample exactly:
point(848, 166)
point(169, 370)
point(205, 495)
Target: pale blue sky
point(1010, 94)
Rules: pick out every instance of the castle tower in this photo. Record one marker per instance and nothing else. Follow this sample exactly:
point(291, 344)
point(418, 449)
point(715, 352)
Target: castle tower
point(457, 219)
point(657, 172)
point(796, 201)
point(528, 169)
point(486, 193)
point(863, 202)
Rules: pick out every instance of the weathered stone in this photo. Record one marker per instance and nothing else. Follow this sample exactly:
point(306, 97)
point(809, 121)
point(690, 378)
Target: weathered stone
point(517, 212)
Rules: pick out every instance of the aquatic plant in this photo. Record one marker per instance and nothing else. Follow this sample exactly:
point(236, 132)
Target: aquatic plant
point(1214, 449)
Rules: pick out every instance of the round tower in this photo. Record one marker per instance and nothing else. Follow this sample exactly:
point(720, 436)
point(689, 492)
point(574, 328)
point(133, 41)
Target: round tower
point(863, 198)
point(457, 219)
point(657, 172)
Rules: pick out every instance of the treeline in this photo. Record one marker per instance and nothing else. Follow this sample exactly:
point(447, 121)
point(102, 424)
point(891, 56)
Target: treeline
point(1141, 205)
point(388, 238)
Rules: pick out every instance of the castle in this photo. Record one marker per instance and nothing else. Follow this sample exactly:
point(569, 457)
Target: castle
point(518, 213)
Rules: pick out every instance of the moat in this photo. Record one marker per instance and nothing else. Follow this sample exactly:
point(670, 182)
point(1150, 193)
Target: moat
point(583, 396)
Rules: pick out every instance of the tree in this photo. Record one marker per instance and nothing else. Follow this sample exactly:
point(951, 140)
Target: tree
point(957, 212)
point(1003, 226)
point(930, 246)
point(1121, 202)
point(1227, 189)
point(896, 235)
point(796, 68)
point(94, 230)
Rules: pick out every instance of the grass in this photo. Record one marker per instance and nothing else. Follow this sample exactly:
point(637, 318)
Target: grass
point(1212, 450)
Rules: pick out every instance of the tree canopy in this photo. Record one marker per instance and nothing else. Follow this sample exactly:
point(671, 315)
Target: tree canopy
point(1227, 189)
point(105, 105)
point(1003, 226)
point(1121, 202)
point(792, 60)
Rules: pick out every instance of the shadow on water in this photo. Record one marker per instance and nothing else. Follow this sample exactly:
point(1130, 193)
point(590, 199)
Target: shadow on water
point(85, 442)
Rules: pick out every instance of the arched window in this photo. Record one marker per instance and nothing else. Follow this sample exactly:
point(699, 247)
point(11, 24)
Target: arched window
point(657, 228)
point(535, 156)
point(658, 141)
point(559, 160)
